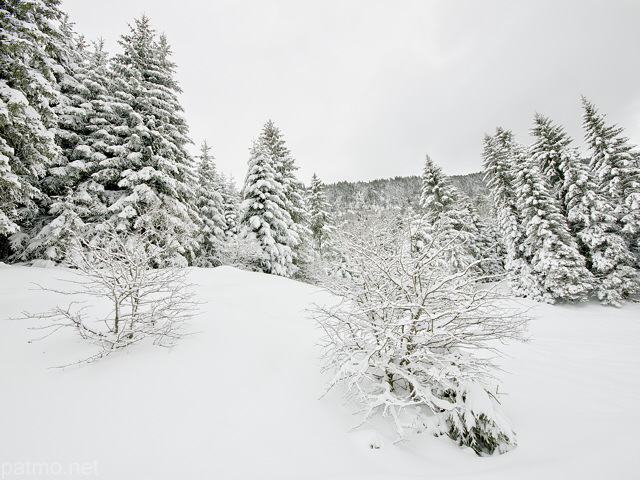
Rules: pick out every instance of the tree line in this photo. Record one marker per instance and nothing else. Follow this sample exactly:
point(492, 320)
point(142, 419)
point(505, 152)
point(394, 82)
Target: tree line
point(92, 143)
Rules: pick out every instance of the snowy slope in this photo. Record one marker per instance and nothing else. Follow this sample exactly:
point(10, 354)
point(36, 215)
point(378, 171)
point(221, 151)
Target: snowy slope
point(240, 398)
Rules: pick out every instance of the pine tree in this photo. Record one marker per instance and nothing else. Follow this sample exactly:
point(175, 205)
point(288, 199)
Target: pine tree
point(32, 46)
point(264, 213)
point(210, 207)
point(615, 166)
point(321, 222)
point(548, 247)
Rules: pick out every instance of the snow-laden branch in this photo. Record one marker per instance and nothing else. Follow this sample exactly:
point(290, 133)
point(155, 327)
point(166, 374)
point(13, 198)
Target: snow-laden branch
point(145, 303)
point(414, 338)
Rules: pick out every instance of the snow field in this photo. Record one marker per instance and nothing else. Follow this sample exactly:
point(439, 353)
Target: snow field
point(239, 399)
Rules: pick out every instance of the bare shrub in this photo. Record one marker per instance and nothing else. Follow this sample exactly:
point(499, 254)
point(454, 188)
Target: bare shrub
point(145, 303)
point(413, 338)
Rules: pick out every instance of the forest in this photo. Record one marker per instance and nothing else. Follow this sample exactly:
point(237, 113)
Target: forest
point(96, 176)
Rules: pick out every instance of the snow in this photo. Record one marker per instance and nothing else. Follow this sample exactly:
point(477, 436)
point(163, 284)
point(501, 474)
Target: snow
point(240, 398)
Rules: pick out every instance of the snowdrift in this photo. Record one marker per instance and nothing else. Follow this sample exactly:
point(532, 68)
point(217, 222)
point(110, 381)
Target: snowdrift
point(239, 399)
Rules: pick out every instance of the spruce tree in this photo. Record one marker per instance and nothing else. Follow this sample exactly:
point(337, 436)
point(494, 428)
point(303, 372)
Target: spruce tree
point(616, 170)
point(264, 213)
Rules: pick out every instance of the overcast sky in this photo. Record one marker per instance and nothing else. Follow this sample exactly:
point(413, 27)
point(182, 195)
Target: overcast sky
point(363, 89)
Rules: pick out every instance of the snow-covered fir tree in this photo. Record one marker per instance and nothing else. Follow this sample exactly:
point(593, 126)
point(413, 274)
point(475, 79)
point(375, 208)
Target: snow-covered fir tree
point(32, 52)
point(320, 219)
point(149, 175)
point(590, 216)
point(447, 212)
point(264, 213)
point(617, 173)
point(89, 122)
point(294, 193)
point(548, 247)
point(488, 244)
point(553, 152)
point(231, 205)
point(437, 193)
point(592, 220)
point(210, 207)
point(501, 155)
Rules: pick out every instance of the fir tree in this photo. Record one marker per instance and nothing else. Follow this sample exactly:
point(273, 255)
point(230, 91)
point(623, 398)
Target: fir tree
point(593, 222)
point(548, 247)
point(615, 166)
point(293, 189)
point(230, 204)
point(487, 245)
point(32, 46)
point(320, 219)
point(210, 207)
point(502, 155)
point(553, 153)
point(437, 194)
point(149, 174)
point(448, 216)
point(590, 217)
point(264, 213)
point(88, 131)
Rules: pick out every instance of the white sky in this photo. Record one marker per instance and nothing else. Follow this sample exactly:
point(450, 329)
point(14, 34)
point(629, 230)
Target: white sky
point(363, 89)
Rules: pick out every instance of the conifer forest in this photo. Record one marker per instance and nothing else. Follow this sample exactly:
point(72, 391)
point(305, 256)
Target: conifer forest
point(418, 290)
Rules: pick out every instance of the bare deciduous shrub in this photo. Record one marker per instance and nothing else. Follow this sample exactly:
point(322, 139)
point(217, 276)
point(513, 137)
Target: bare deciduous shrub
point(413, 339)
point(145, 303)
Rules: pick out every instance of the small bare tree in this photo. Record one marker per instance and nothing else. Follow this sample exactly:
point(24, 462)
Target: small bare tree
point(144, 302)
point(413, 339)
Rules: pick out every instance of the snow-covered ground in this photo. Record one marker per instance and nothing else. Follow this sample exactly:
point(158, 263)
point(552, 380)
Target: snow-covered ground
point(240, 398)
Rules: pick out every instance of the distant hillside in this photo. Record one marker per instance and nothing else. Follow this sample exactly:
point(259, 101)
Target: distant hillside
point(399, 192)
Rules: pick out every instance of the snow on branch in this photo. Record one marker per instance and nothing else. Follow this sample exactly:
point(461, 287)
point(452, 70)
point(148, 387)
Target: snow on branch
point(413, 338)
point(144, 303)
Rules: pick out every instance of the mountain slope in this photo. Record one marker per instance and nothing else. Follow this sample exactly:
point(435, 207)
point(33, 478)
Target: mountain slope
point(399, 193)
point(239, 399)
